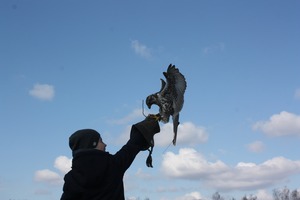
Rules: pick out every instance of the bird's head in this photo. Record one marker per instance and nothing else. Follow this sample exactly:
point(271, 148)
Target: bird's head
point(151, 99)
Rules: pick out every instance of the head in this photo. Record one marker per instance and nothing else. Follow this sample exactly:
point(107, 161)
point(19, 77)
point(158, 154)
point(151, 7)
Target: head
point(101, 145)
point(151, 99)
point(86, 139)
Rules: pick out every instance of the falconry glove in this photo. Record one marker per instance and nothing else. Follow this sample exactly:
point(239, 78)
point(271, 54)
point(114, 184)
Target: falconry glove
point(142, 134)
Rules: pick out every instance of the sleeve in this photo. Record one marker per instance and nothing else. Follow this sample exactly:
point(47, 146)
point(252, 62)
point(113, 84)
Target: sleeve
point(126, 155)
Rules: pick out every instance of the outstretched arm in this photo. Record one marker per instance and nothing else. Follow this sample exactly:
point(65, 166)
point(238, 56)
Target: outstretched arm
point(141, 138)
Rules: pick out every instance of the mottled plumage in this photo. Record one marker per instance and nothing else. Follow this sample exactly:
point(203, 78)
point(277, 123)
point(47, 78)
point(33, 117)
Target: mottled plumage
point(170, 98)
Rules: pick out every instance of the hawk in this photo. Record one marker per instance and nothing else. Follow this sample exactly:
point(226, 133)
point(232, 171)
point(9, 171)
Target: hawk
point(170, 98)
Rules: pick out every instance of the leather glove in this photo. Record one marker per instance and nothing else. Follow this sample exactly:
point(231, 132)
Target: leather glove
point(142, 133)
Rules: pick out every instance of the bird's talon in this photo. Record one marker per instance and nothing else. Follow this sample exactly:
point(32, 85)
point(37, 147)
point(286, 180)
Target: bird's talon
point(156, 117)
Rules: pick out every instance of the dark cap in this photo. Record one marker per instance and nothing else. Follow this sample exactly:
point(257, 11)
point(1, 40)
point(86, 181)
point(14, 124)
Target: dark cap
point(84, 139)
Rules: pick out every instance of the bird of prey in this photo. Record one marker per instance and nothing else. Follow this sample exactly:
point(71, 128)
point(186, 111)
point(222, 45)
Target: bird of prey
point(170, 98)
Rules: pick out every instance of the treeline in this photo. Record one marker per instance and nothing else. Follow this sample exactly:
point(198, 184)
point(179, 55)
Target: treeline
point(278, 194)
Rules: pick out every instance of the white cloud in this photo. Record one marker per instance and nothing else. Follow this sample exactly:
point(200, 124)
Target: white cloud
point(63, 164)
point(132, 198)
point(297, 94)
point(256, 147)
point(190, 196)
point(192, 165)
point(42, 91)
point(263, 194)
point(187, 134)
point(47, 176)
point(142, 175)
point(282, 124)
point(141, 49)
point(189, 164)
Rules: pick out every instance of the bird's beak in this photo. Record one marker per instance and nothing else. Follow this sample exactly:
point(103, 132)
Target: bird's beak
point(148, 102)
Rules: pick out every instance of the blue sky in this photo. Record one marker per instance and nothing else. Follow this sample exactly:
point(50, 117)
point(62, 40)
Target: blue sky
point(67, 65)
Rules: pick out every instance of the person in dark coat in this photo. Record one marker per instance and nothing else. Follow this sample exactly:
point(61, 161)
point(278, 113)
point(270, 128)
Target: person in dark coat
point(97, 174)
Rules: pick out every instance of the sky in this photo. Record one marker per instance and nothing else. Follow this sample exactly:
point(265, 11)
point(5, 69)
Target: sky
point(68, 65)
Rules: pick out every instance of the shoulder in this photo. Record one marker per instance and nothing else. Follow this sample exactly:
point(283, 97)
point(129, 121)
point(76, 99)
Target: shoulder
point(91, 161)
point(90, 154)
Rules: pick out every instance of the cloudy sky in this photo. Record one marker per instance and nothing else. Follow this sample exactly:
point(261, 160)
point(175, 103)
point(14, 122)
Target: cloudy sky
point(67, 65)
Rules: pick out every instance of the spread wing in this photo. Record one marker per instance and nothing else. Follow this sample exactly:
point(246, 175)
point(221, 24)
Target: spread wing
point(174, 90)
point(175, 87)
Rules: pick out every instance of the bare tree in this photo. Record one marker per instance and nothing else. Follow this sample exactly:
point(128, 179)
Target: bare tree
point(295, 195)
point(251, 197)
point(276, 194)
point(217, 196)
point(286, 194)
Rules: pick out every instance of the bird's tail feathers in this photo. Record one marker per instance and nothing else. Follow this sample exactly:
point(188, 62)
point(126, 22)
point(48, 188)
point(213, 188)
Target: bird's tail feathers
point(175, 127)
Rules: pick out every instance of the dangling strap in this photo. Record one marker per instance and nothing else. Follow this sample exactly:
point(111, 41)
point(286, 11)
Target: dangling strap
point(149, 158)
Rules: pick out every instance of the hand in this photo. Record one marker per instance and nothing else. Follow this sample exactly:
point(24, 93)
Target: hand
point(142, 133)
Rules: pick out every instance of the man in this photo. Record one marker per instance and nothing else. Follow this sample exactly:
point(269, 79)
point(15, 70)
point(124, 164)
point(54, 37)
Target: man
point(98, 175)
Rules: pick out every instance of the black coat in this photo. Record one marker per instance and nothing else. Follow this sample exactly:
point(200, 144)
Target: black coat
point(98, 175)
